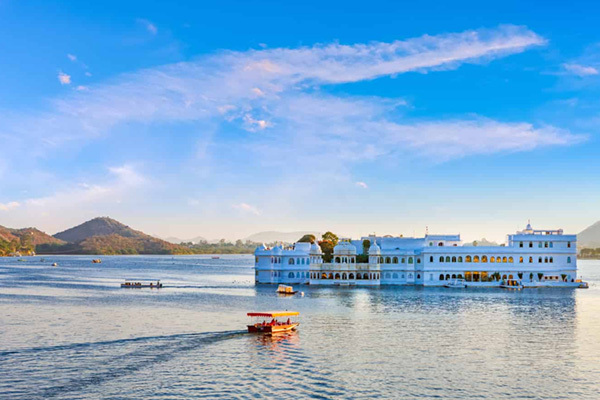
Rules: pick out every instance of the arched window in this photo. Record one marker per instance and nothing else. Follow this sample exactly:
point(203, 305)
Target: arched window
point(418, 261)
point(302, 261)
point(453, 276)
point(297, 274)
point(453, 258)
point(447, 258)
point(403, 260)
point(431, 259)
point(459, 258)
point(546, 260)
point(503, 276)
point(395, 275)
point(441, 277)
point(410, 260)
point(520, 259)
point(447, 276)
point(441, 259)
point(476, 259)
point(484, 259)
point(395, 260)
point(530, 244)
point(551, 244)
point(387, 275)
point(331, 275)
point(291, 261)
point(551, 259)
point(418, 276)
point(351, 276)
point(380, 260)
point(569, 258)
point(440, 244)
point(323, 275)
point(409, 276)
point(337, 276)
point(337, 260)
point(510, 259)
point(492, 259)
point(530, 260)
point(388, 260)
point(344, 276)
point(291, 275)
point(540, 260)
point(504, 259)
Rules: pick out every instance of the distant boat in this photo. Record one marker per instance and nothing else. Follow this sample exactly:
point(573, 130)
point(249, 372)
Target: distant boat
point(139, 285)
point(456, 284)
point(215, 257)
point(582, 284)
point(284, 289)
point(55, 264)
point(96, 261)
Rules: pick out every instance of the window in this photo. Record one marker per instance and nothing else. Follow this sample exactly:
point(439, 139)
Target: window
point(410, 260)
point(540, 245)
point(453, 259)
point(291, 275)
point(431, 259)
point(546, 260)
point(418, 261)
point(545, 244)
point(468, 259)
point(520, 244)
point(291, 261)
point(569, 258)
point(530, 244)
point(540, 260)
point(388, 260)
point(418, 276)
point(569, 245)
point(504, 259)
point(440, 244)
point(403, 260)
point(530, 260)
point(510, 259)
point(387, 275)
point(460, 259)
point(395, 276)
point(395, 260)
point(551, 260)
point(484, 259)
point(520, 259)
point(441, 259)
point(551, 244)
point(441, 277)
point(447, 258)
point(430, 277)
point(476, 259)
point(492, 259)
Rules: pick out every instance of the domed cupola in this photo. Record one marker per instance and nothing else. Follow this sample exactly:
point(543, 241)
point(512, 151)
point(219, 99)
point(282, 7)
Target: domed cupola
point(344, 248)
point(374, 249)
point(277, 250)
point(315, 248)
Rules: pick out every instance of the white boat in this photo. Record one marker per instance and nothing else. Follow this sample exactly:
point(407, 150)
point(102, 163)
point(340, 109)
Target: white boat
point(456, 284)
point(511, 284)
point(284, 289)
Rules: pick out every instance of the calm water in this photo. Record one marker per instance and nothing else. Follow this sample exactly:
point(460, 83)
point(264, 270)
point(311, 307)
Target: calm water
point(71, 332)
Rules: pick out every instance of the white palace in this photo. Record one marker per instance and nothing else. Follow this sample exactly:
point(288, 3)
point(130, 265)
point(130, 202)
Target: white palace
point(533, 257)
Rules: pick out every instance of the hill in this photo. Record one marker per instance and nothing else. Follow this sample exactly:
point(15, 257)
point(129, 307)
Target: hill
point(105, 235)
point(24, 240)
point(589, 237)
point(274, 236)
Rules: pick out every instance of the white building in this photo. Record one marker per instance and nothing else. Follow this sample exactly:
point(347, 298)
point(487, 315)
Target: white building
point(534, 257)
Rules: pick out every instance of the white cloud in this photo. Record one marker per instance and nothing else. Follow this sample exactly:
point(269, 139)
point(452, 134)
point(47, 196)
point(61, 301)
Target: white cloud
point(88, 74)
point(72, 57)
point(247, 208)
point(81, 87)
point(150, 27)
point(63, 78)
point(9, 206)
point(362, 185)
point(580, 70)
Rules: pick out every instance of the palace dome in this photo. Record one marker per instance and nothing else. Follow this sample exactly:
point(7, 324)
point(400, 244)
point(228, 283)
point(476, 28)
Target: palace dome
point(315, 248)
point(374, 249)
point(277, 250)
point(344, 248)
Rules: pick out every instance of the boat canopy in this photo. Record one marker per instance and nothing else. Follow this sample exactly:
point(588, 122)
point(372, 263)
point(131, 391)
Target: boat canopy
point(273, 314)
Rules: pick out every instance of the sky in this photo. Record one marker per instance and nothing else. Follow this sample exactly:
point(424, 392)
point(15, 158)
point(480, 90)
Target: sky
point(223, 119)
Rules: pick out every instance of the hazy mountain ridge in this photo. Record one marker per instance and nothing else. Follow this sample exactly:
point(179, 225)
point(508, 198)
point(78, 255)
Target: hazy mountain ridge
point(590, 236)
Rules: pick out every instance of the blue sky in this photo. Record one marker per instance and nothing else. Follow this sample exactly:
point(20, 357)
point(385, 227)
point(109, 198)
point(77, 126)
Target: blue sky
point(229, 118)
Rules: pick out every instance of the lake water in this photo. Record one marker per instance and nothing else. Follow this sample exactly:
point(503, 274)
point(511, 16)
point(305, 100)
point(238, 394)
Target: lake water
point(71, 332)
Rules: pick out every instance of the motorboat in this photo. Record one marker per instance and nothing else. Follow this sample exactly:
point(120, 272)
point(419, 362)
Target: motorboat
point(456, 284)
point(582, 284)
point(96, 261)
point(139, 285)
point(272, 322)
point(511, 284)
point(55, 264)
point(284, 289)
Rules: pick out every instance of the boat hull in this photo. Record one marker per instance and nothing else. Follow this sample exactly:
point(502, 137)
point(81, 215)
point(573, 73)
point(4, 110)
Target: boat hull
point(141, 286)
point(267, 329)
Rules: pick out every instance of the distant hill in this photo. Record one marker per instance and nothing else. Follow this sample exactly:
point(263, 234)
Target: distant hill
point(482, 242)
point(24, 240)
point(174, 240)
point(589, 237)
point(105, 235)
point(274, 236)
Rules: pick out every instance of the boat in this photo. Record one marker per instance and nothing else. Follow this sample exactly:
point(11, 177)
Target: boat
point(511, 284)
point(139, 285)
point(268, 322)
point(456, 284)
point(582, 284)
point(55, 264)
point(96, 261)
point(284, 289)
point(215, 257)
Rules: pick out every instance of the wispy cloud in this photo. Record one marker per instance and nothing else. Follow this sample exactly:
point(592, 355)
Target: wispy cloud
point(63, 78)
point(72, 57)
point(362, 185)
point(9, 206)
point(150, 27)
point(247, 208)
point(580, 70)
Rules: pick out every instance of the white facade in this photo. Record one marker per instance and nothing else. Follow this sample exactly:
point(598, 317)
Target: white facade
point(533, 257)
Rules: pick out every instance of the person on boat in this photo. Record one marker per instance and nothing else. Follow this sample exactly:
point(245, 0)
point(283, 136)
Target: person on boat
point(288, 322)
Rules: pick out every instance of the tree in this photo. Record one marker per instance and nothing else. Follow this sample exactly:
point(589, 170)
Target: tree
point(310, 238)
point(475, 243)
point(366, 244)
point(332, 237)
point(327, 249)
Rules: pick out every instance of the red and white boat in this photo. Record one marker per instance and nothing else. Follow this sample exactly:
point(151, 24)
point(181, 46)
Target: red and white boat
point(270, 322)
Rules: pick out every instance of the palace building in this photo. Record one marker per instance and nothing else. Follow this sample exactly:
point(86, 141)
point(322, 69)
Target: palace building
point(533, 257)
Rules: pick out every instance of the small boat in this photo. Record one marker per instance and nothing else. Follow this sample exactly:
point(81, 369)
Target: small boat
point(96, 261)
point(139, 285)
point(582, 284)
point(284, 289)
point(55, 264)
point(274, 325)
point(215, 257)
point(511, 284)
point(456, 284)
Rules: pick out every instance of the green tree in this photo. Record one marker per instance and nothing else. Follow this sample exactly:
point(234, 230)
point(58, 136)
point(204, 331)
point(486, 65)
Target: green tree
point(366, 244)
point(310, 238)
point(327, 249)
point(332, 237)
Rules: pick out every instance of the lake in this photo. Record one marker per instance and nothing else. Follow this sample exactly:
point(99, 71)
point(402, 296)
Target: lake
point(71, 332)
